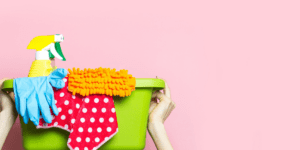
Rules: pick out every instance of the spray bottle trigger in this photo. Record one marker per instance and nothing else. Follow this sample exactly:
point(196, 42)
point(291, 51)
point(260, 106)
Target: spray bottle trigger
point(58, 50)
point(53, 51)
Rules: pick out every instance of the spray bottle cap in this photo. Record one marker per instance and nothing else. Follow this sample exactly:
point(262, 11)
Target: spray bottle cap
point(42, 44)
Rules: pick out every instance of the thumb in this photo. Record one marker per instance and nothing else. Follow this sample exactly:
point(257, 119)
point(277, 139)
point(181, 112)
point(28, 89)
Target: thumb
point(57, 83)
point(58, 73)
point(55, 78)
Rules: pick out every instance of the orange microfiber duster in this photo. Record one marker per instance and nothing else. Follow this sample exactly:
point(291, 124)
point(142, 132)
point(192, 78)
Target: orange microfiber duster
point(101, 81)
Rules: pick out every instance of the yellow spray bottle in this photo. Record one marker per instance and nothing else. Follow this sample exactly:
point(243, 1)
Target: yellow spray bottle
point(46, 47)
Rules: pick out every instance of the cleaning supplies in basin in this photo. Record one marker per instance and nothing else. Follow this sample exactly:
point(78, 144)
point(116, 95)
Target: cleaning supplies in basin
point(89, 114)
point(85, 105)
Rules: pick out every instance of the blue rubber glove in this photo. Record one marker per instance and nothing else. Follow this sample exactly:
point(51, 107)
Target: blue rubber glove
point(35, 96)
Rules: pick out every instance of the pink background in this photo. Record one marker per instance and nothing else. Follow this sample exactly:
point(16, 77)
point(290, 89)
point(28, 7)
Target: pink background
point(232, 66)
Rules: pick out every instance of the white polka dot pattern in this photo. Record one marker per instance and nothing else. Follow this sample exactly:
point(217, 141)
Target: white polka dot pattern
point(87, 100)
point(94, 110)
point(80, 129)
point(101, 120)
point(113, 110)
point(66, 102)
point(92, 119)
point(108, 129)
point(78, 139)
point(105, 100)
point(62, 94)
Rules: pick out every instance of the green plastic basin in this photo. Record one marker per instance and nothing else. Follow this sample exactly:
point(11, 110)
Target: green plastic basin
point(132, 115)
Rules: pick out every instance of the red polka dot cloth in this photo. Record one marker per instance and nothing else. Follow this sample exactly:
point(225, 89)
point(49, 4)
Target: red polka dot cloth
point(91, 120)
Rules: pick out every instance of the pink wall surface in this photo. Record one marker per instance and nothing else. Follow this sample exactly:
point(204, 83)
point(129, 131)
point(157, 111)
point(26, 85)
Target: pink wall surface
point(232, 66)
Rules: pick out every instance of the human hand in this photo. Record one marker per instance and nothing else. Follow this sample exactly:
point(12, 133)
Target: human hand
point(160, 111)
point(8, 113)
point(6, 99)
point(34, 95)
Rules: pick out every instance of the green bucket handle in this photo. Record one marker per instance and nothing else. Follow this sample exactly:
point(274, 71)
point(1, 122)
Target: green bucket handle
point(8, 85)
point(156, 84)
